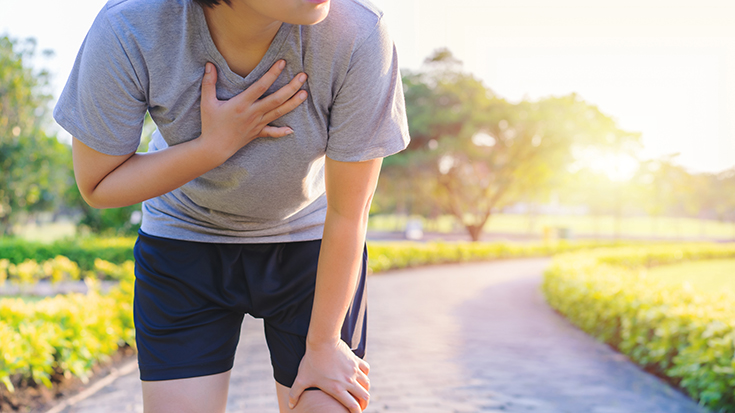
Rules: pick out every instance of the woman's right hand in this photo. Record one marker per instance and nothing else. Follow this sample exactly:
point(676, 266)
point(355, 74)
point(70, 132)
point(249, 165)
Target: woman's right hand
point(228, 125)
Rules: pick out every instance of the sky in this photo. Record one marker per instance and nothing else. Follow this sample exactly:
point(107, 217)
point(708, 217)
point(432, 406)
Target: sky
point(664, 68)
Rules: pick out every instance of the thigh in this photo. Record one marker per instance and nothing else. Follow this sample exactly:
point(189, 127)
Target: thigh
point(192, 395)
point(311, 401)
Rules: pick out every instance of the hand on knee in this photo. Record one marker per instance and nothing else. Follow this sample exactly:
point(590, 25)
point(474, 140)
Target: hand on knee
point(338, 372)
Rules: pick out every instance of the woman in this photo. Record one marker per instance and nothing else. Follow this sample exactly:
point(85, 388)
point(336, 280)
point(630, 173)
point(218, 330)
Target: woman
point(273, 118)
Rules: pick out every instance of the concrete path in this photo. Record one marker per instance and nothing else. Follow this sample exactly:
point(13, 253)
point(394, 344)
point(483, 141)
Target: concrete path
point(457, 338)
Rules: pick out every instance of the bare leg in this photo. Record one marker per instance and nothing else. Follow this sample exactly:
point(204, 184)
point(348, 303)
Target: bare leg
point(311, 401)
point(193, 395)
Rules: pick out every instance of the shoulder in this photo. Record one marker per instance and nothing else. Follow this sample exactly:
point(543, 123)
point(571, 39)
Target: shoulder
point(141, 26)
point(352, 20)
point(138, 9)
point(136, 17)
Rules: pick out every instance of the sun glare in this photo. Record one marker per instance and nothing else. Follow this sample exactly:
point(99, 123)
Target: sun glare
point(618, 167)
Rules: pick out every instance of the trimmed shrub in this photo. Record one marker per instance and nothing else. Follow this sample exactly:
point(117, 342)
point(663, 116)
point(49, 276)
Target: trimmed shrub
point(82, 251)
point(679, 333)
point(65, 334)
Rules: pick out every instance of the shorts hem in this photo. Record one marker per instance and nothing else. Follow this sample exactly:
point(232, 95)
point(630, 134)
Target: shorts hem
point(185, 372)
point(283, 378)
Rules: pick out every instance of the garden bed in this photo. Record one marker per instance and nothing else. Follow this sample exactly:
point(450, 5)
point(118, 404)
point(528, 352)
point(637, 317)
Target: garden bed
point(684, 335)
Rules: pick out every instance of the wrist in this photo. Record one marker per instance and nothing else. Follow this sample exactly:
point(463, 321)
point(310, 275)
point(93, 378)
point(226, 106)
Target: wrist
point(210, 152)
point(318, 343)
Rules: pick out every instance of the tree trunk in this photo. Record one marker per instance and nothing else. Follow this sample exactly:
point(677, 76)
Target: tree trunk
point(531, 218)
point(6, 229)
point(596, 220)
point(475, 231)
point(702, 228)
point(654, 225)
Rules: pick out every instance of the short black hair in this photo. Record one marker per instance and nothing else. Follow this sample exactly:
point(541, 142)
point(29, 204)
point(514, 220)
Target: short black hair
point(211, 3)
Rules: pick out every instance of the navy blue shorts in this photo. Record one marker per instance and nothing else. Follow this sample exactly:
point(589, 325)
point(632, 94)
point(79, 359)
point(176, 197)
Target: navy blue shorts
point(191, 297)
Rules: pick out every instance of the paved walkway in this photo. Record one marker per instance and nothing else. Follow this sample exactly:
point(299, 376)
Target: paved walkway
point(457, 338)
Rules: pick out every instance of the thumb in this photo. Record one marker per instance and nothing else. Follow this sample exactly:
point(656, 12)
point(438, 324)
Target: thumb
point(295, 394)
point(209, 83)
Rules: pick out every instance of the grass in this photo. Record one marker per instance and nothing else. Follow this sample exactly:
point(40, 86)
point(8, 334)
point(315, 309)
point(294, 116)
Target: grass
point(663, 227)
point(26, 298)
point(711, 276)
point(46, 233)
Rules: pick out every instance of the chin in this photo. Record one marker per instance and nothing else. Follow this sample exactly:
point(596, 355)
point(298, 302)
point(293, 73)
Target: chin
point(314, 16)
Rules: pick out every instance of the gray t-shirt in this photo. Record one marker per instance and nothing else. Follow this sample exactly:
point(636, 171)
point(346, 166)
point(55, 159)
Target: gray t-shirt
point(150, 54)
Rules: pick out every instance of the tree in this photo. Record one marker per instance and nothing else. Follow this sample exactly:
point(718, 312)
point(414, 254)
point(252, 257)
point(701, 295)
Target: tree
point(33, 175)
point(481, 152)
point(724, 200)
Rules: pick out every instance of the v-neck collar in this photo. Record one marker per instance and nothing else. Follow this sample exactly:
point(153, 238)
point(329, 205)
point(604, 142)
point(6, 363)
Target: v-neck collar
point(265, 63)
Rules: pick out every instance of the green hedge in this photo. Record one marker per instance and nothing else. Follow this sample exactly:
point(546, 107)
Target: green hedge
point(392, 255)
point(64, 335)
point(87, 252)
point(676, 332)
point(83, 251)
point(69, 334)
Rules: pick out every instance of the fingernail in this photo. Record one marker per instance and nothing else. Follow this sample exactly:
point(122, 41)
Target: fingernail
point(281, 64)
point(289, 131)
point(302, 95)
point(290, 405)
point(302, 77)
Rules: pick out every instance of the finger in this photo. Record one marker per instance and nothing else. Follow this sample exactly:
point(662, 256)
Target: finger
point(290, 105)
point(348, 401)
point(361, 396)
point(275, 132)
point(364, 381)
point(363, 404)
point(295, 394)
point(256, 90)
point(364, 397)
point(209, 84)
point(276, 99)
point(359, 392)
point(364, 366)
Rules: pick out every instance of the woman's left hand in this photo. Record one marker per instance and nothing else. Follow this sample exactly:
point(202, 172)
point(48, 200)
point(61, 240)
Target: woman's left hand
point(335, 370)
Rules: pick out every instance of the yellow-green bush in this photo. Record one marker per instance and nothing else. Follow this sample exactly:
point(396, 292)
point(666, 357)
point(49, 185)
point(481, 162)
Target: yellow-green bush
point(66, 334)
point(60, 269)
point(686, 335)
point(69, 334)
point(391, 255)
point(83, 251)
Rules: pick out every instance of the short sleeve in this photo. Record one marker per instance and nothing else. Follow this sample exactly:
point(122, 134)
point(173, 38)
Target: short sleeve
point(103, 104)
point(368, 115)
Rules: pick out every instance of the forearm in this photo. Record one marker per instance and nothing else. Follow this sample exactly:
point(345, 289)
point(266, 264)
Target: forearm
point(145, 176)
point(340, 259)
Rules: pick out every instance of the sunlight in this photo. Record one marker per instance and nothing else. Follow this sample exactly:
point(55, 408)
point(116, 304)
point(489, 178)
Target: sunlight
point(618, 167)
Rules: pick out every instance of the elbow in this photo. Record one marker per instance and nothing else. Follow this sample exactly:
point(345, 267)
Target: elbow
point(92, 199)
point(356, 214)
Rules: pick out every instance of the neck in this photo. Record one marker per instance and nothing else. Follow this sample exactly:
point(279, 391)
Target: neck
point(240, 26)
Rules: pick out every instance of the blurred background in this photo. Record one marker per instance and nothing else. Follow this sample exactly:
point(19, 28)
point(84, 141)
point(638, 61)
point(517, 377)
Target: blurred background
point(581, 135)
point(529, 120)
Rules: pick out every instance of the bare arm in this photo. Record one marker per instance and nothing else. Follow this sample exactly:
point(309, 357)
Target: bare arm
point(107, 181)
point(329, 363)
